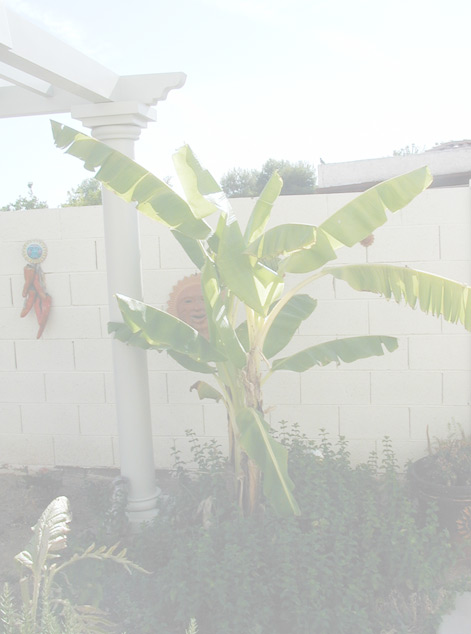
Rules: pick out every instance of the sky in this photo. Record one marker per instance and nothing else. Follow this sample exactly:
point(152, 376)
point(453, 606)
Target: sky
point(296, 80)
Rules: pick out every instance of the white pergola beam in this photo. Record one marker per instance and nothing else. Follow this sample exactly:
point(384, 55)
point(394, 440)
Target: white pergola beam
point(5, 36)
point(20, 102)
point(148, 89)
point(23, 80)
point(49, 76)
point(36, 52)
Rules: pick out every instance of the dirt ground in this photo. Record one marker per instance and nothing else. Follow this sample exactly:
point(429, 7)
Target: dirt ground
point(25, 494)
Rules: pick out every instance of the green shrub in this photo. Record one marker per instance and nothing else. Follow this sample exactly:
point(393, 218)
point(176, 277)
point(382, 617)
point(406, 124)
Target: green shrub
point(357, 560)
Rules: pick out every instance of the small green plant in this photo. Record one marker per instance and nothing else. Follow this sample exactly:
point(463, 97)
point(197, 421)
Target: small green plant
point(43, 609)
point(449, 462)
point(192, 628)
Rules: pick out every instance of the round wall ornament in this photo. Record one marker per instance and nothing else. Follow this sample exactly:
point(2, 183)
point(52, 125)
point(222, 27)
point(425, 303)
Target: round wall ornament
point(34, 251)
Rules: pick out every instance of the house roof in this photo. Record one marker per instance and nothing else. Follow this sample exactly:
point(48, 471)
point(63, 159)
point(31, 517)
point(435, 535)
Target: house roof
point(449, 163)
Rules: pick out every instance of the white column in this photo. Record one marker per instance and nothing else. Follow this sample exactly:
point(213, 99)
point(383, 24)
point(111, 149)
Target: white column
point(119, 126)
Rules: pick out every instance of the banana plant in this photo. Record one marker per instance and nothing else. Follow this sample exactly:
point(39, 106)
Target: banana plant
point(244, 271)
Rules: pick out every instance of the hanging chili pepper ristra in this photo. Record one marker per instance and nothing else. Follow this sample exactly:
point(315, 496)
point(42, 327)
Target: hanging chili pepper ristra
point(34, 289)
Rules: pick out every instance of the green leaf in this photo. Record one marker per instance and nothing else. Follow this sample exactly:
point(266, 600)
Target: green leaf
point(261, 212)
point(203, 194)
point(242, 333)
point(164, 331)
point(272, 458)
point(206, 391)
point(360, 217)
point(282, 240)
point(124, 333)
point(254, 284)
point(357, 220)
point(346, 350)
point(193, 248)
point(432, 293)
point(49, 535)
point(131, 181)
point(190, 364)
point(294, 312)
point(222, 334)
point(310, 259)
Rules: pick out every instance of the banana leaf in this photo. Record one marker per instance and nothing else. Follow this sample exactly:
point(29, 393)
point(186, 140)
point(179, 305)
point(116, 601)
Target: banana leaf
point(272, 458)
point(222, 333)
point(165, 332)
point(202, 192)
point(193, 248)
point(131, 181)
point(282, 240)
point(432, 293)
point(358, 219)
point(189, 363)
point(254, 284)
point(294, 312)
point(310, 259)
point(346, 350)
point(261, 212)
point(125, 334)
point(205, 390)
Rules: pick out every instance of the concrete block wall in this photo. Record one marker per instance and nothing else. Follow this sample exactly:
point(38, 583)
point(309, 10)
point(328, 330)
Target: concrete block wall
point(57, 394)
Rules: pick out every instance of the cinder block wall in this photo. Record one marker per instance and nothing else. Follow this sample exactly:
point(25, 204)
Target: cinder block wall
point(56, 394)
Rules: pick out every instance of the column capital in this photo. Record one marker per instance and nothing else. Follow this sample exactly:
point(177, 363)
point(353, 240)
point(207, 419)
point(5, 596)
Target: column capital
point(115, 120)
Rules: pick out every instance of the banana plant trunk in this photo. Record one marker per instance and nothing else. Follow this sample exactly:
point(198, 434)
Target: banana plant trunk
point(248, 475)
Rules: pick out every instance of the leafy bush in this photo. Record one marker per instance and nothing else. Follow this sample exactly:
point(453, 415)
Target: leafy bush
point(357, 560)
point(449, 463)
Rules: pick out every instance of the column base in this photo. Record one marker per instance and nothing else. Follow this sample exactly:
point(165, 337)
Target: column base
point(142, 510)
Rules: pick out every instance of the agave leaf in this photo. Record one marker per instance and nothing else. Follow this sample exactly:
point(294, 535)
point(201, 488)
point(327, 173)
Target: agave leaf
point(282, 240)
point(205, 390)
point(203, 194)
point(163, 331)
point(294, 312)
point(49, 535)
point(272, 458)
point(261, 212)
point(131, 181)
point(358, 219)
point(346, 350)
point(432, 293)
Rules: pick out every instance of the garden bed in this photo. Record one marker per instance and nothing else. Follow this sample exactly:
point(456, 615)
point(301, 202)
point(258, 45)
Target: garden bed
point(360, 558)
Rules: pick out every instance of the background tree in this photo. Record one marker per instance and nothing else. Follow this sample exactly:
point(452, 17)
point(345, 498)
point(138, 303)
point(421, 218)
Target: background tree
point(30, 201)
point(298, 178)
point(87, 193)
point(239, 183)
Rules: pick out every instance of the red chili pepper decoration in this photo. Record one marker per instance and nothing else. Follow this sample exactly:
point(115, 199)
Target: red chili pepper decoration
point(34, 290)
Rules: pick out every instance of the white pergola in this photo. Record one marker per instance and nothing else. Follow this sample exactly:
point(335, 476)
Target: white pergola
point(39, 75)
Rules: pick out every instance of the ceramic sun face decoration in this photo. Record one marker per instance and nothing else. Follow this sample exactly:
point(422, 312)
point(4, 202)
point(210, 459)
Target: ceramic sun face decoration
point(187, 303)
